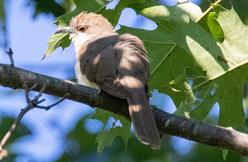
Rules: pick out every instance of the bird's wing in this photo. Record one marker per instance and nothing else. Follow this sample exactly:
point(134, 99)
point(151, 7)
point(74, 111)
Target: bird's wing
point(98, 63)
point(108, 76)
point(111, 63)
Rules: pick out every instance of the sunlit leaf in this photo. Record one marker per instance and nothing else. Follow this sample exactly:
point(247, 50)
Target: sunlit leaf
point(214, 26)
point(56, 41)
point(224, 63)
point(107, 135)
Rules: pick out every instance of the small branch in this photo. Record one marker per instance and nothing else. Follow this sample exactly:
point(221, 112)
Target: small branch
point(10, 54)
point(31, 103)
point(13, 126)
point(54, 104)
point(208, 10)
point(201, 132)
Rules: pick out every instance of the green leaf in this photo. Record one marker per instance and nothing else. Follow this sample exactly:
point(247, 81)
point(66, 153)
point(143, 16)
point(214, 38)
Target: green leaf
point(240, 7)
point(185, 107)
point(97, 6)
point(86, 5)
point(160, 13)
point(192, 47)
point(215, 27)
point(56, 41)
point(224, 154)
point(203, 107)
point(46, 7)
point(101, 115)
point(106, 136)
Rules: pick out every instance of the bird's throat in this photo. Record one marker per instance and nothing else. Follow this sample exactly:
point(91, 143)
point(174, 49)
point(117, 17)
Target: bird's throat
point(81, 39)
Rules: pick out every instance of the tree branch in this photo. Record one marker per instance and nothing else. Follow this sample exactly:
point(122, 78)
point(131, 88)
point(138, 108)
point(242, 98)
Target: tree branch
point(167, 123)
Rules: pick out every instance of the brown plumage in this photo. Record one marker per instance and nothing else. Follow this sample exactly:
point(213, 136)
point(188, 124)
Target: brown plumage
point(118, 65)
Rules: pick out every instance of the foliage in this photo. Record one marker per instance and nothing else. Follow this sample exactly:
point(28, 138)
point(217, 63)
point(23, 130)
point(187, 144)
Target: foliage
point(52, 7)
point(81, 147)
point(210, 68)
point(119, 127)
point(197, 64)
point(55, 41)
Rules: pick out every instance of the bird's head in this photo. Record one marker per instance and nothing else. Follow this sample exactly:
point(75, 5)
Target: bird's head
point(87, 26)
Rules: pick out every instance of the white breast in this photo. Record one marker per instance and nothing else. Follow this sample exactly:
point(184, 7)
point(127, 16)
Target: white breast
point(81, 79)
point(80, 39)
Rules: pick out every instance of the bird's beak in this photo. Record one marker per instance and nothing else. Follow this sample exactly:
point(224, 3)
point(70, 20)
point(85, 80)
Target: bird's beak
point(65, 30)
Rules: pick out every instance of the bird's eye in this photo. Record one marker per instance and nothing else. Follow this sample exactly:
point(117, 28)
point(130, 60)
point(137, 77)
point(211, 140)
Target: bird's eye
point(82, 28)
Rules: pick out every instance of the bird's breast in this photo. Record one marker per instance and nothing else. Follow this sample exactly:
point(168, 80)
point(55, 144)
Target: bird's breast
point(81, 78)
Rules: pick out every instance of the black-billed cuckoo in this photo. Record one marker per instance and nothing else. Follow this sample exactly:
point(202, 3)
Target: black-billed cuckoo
point(116, 64)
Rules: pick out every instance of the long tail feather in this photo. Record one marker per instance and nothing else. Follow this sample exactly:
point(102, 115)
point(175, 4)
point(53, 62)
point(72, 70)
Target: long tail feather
point(143, 120)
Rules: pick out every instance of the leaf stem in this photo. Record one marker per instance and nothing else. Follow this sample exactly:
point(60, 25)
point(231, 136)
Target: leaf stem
point(208, 10)
point(172, 48)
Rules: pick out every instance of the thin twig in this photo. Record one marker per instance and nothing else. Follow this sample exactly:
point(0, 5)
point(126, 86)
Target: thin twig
point(10, 54)
point(13, 126)
point(54, 104)
point(31, 103)
point(208, 10)
point(26, 91)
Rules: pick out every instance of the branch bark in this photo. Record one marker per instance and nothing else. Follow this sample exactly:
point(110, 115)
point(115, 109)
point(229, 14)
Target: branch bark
point(167, 123)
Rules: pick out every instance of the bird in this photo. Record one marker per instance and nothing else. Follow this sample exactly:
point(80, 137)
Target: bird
point(116, 64)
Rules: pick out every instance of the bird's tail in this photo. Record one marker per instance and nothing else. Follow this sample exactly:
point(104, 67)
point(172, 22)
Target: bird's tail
point(143, 120)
